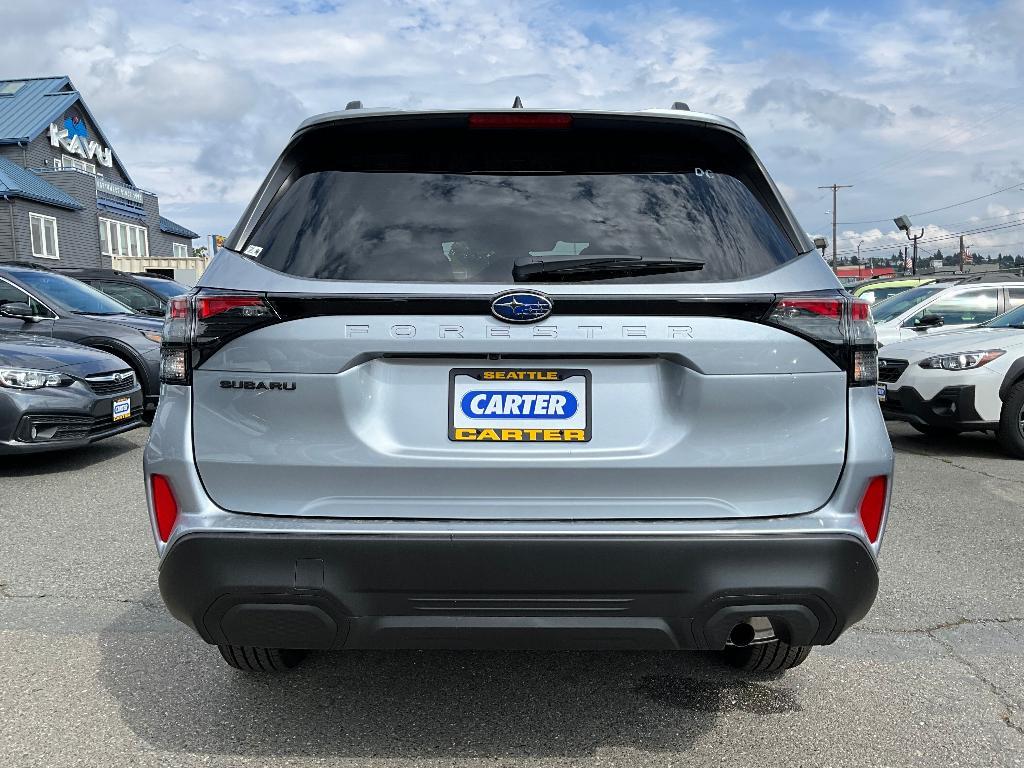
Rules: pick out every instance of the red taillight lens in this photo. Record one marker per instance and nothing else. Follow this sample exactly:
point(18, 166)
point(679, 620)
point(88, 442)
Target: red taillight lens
point(505, 120)
point(177, 308)
point(795, 307)
point(839, 325)
point(208, 306)
point(165, 506)
point(872, 507)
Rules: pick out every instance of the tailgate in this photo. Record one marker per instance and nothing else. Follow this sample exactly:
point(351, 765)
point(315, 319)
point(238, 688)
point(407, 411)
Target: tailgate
point(700, 417)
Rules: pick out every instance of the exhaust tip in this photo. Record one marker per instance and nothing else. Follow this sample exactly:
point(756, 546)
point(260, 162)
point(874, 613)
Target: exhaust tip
point(742, 635)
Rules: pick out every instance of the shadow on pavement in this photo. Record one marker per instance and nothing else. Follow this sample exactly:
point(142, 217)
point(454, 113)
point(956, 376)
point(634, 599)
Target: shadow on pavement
point(53, 462)
point(176, 694)
point(967, 445)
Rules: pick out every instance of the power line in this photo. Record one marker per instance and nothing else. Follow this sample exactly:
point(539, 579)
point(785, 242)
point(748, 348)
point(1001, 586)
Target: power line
point(936, 210)
point(942, 238)
point(871, 173)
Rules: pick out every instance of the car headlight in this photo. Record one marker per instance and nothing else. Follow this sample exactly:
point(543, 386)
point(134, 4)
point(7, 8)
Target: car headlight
point(153, 336)
point(961, 361)
point(22, 378)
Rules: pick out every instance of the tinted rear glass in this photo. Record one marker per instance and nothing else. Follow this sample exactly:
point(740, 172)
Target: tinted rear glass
point(465, 210)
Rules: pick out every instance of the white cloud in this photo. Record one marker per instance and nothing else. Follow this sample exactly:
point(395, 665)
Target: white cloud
point(914, 104)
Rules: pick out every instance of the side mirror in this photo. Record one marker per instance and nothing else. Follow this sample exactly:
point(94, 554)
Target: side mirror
point(931, 321)
point(18, 310)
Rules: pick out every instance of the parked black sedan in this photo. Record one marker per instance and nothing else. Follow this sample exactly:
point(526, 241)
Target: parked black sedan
point(40, 301)
point(147, 294)
point(55, 394)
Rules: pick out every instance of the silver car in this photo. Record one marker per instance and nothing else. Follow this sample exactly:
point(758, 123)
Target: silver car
point(507, 379)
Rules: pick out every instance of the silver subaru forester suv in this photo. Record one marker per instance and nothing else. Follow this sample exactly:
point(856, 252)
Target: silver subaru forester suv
point(518, 379)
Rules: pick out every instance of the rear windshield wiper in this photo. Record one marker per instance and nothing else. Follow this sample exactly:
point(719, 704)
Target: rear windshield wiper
point(570, 266)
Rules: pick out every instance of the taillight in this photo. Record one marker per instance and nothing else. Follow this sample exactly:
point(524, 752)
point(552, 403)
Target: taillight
point(196, 326)
point(840, 326)
point(165, 506)
point(872, 507)
point(497, 120)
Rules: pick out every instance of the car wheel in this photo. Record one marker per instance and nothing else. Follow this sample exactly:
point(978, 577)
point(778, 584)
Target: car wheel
point(934, 431)
point(775, 656)
point(262, 660)
point(1011, 422)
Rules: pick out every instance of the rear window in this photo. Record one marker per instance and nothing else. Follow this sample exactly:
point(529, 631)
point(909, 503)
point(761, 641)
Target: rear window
point(463, 206)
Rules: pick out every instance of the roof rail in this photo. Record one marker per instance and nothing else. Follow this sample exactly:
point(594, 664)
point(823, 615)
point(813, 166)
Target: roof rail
point(1002, 276)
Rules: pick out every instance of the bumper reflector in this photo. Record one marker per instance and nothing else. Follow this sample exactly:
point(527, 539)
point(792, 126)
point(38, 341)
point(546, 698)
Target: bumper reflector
point(165, 506)
point(872, 507)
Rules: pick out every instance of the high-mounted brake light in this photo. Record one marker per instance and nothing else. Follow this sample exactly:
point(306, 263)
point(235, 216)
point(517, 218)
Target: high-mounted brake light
point(165, 506)
point(505, 120)
point(839, 325)
point(872, 507)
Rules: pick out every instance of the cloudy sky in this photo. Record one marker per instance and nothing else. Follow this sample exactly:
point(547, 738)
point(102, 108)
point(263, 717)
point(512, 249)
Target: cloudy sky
point(919, 105)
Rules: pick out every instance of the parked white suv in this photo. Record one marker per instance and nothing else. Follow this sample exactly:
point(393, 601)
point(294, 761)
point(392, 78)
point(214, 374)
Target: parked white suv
point(962, 381)
point(940, 307)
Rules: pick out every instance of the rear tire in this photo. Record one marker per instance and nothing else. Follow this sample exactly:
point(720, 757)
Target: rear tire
point(1011, 422)
point(261, 660)
point(776, 656)
point(933, 431)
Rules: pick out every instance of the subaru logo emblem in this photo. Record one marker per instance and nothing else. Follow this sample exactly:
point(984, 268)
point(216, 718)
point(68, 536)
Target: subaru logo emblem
point(521, 306)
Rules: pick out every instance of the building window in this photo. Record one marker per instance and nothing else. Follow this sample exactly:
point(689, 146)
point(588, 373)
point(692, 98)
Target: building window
point(123, 240)
point(67, 161)
point(180, 250)
point(44, 236)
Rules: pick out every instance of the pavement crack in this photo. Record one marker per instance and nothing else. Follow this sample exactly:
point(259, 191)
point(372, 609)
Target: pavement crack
point(961, 622)
point(952, 463)
point(1000, 693)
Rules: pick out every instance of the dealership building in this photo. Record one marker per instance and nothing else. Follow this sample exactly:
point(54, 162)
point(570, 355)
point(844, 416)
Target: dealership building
point(66, 200)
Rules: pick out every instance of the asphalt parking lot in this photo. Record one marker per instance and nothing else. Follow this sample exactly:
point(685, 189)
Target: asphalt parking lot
point(93, 672)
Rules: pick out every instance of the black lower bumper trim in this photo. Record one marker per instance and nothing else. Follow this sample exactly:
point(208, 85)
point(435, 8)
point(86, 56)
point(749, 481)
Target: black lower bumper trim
point(346, 591)
point(952, 408)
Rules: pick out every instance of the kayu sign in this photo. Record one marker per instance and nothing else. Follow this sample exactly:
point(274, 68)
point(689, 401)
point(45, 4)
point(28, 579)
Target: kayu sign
point(79, 145)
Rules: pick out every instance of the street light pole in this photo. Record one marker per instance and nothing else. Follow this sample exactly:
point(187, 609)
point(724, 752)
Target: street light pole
point(903, 223)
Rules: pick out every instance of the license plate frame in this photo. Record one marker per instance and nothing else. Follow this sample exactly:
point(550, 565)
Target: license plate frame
point(120, 408)
point(515, 428)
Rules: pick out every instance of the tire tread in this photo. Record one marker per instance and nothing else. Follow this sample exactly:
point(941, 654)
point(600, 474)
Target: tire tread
point(260, 660)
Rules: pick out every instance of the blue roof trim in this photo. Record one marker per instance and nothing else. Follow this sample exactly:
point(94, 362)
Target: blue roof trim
point(124, 209)
point(171, 228)
point(15, 181)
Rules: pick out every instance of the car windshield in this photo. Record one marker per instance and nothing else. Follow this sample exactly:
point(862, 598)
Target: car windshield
point(75, 295)
point(896, 305)
point(1012, 319)
point(166, 288)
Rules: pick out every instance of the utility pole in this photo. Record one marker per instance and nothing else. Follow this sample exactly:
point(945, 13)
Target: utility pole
point(835, 190)
point(915, 238)
point(963, 255)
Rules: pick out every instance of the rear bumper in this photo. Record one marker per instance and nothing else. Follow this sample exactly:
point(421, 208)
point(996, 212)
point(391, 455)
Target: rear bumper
point(331, 591)
point(953, 407)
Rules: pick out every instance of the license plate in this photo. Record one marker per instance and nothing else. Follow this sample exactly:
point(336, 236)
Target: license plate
point(519, 405)
point(122, 408)
point(882, 391)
